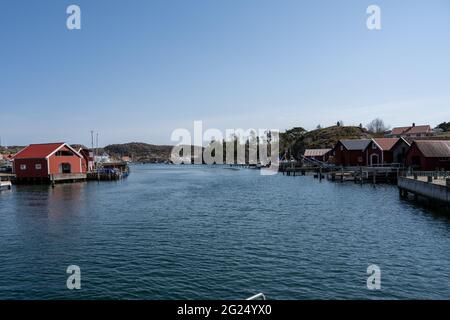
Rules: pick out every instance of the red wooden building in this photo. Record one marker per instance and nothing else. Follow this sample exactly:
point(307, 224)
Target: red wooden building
point(429, 155)
point(48, 161)
point(385, 151)
point(88, 159)
point(350, 152)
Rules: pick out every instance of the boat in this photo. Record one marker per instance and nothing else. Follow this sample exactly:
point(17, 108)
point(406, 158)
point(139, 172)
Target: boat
point(5, 185)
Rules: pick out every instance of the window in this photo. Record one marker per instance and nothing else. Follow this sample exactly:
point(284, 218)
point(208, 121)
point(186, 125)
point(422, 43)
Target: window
point(342, 148)
point(23, 167)
point(38, 166)
point(360, 159)
point(374, 146)
point(63, 153)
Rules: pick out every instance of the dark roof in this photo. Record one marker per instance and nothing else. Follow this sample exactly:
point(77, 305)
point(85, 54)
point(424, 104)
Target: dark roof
point(434, 148)
point(356, 144)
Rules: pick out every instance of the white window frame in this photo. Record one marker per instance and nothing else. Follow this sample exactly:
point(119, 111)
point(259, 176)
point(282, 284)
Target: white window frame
point(38, 166)
point(23, 167)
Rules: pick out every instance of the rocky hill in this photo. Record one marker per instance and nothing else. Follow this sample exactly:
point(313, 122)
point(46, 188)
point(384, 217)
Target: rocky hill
point(139, 152)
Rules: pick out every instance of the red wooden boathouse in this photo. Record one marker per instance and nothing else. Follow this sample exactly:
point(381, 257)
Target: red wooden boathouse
point(429, 155)
point(49, 162)
point(386, 151)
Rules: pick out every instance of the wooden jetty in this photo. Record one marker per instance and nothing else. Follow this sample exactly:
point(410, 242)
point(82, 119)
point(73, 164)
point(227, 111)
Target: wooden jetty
point(7, 176)
point(372, 174)
point(67, 177)
point(110, 171)
point(433, 187)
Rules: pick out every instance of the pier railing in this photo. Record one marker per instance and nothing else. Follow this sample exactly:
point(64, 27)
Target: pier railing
point(434, 174)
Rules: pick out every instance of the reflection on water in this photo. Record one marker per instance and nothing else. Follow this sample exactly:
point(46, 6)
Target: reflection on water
point(173, 232)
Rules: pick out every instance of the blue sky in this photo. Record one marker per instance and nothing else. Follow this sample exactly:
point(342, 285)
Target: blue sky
point(137, 70)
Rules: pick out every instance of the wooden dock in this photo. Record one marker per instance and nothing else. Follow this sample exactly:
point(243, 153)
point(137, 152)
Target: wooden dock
point(110, 171)
point(375, 174)
point(105, 176)
point(68, 177)
point(7, 176)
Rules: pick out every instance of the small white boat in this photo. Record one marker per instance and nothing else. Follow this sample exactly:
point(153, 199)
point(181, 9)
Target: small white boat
point(5, 185)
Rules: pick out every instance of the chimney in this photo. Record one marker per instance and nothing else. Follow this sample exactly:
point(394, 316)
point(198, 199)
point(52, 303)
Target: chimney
point(414, 124)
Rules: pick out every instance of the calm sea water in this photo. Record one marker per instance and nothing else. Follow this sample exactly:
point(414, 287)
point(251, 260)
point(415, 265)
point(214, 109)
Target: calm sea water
point(196, 232)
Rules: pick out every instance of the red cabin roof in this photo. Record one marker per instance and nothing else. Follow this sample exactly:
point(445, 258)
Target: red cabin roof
point(40, 151)
point(386, 144)
point(411, 130)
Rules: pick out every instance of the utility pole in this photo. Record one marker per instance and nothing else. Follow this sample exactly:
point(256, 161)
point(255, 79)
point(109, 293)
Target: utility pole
point(91, 152)
point(92, 140)
point(97, 144)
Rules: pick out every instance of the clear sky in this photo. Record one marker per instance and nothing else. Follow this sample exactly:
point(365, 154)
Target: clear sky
point(137, 70)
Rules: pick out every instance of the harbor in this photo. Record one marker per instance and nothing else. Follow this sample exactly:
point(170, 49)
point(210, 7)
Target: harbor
point(190, 232)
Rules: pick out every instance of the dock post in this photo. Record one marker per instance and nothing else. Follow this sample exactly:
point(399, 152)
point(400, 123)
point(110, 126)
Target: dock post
point(320, 174)
point(403, 193)
point(430, 179)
